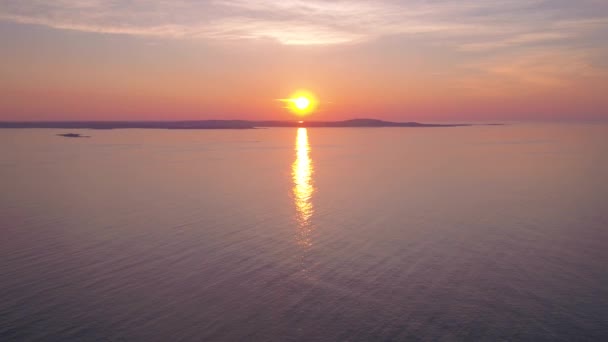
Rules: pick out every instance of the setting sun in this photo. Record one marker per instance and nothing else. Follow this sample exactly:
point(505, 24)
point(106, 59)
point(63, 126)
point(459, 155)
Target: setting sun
point(301, 102)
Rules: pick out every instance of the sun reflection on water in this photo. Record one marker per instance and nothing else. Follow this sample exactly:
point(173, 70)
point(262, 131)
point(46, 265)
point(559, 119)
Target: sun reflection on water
point(302, 170)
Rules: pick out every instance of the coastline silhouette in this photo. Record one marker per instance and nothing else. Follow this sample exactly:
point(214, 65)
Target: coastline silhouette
point(217, 124)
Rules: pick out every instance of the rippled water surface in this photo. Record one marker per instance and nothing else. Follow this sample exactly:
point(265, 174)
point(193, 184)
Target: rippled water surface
point(495, 233)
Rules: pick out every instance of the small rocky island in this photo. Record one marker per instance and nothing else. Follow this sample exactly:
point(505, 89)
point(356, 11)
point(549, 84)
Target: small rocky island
point(73, 135)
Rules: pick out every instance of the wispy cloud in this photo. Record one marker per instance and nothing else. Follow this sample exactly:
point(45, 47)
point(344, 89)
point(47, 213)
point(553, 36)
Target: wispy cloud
point(484, 24)
point(508, 44)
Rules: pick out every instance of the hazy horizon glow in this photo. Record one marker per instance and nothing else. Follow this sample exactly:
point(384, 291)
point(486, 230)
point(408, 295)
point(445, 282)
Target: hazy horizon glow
point(231, 59)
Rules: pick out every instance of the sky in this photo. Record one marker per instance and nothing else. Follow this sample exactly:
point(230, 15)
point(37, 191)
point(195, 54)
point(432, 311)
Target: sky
point(405, 60)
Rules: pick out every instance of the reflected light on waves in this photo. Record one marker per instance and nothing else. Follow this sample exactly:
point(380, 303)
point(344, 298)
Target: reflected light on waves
point(302, 170)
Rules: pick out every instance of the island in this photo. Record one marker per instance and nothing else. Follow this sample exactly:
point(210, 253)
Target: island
point(212, 124)
point(73, 135)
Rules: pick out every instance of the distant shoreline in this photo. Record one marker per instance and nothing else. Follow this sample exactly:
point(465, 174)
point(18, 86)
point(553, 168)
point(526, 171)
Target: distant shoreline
point(217, 124)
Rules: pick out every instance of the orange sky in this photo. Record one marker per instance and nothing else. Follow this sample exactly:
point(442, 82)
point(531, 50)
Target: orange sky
point(417, 60)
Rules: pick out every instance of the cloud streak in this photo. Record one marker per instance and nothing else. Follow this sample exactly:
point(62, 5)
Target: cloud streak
point(478, 25)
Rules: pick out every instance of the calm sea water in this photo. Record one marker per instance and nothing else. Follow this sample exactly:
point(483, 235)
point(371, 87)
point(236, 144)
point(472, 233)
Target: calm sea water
point(391, 234)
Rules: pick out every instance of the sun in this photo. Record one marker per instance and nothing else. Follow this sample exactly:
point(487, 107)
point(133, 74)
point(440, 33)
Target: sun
point(301, 102)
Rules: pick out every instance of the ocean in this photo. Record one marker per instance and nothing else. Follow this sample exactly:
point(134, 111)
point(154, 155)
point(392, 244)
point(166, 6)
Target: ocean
point(481, 233)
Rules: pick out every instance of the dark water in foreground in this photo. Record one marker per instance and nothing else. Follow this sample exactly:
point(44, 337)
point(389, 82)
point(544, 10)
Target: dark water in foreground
point(469, 233)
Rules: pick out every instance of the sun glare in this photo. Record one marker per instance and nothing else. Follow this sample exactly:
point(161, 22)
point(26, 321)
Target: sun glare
point(301, 102)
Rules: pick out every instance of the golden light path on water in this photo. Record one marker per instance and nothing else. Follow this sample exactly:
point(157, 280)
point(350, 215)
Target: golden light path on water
point(303, 188)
